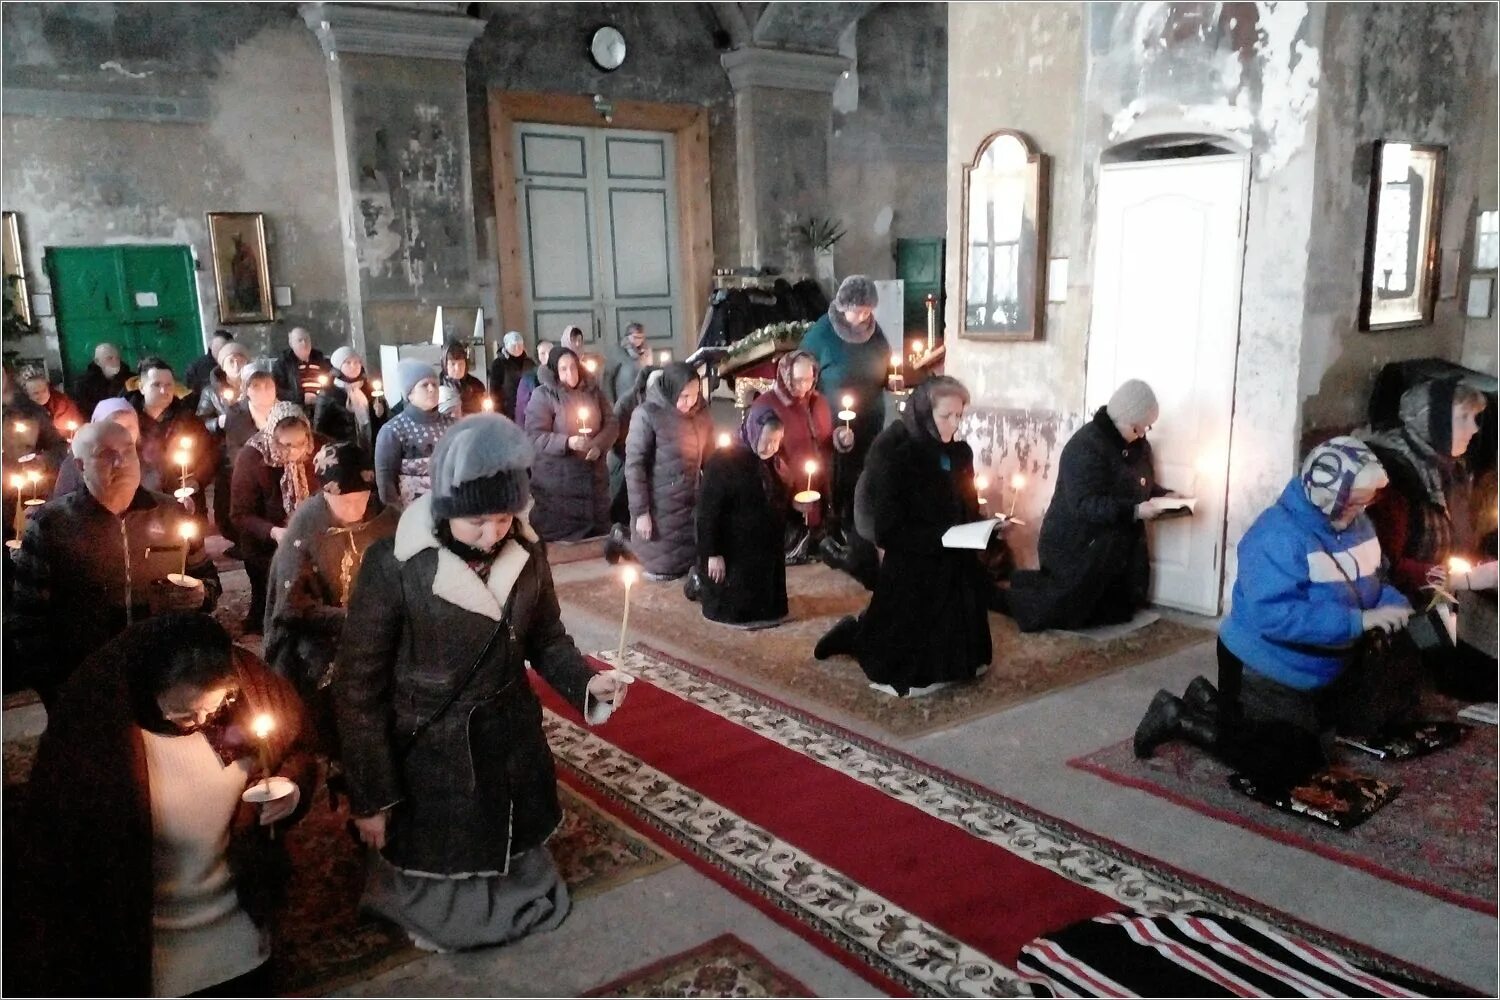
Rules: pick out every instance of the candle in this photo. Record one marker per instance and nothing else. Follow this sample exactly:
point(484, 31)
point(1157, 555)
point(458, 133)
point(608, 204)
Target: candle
point(896, 383)
point(487, 404)
point(262, 726)
point(981, 483)
point(810, 468)
point(72, 429)
point(916, 348)
point(228, 395)
point(931, 301)
point(583, 420)
point(590, 365)
point(375, 389)
point(1458, 567)
point(186, 531)
point(663, 357)
point(182, 458)
point(627, 576)
point(322, 380)
point(35, 477)
point(724, 440)
point(185, 443)
point(20, 426)
point(18, 481)
point(1017, 484)
point(847, 413)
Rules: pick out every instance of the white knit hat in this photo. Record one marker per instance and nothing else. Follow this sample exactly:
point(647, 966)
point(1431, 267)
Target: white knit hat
point(1133, 403)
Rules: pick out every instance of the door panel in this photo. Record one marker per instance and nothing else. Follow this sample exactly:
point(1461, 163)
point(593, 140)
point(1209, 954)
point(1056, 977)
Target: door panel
point(161, 303)
point(599, 224)
point(1166, 303)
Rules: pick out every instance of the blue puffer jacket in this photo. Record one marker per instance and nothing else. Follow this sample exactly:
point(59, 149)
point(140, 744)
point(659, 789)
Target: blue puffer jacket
point(1294, 612)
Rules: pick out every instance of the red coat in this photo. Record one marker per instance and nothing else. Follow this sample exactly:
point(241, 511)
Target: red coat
point(809, 434)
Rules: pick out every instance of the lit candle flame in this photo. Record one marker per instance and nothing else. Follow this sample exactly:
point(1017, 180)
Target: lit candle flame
point(487, 404)
point(375, 384)
point(847, 402)
point(591, 365)
point(724, 440)
point(181, 458)
point(1458, 565)
point(322, 379)
point(664, 357)
point(1017, 482)
point(20, 426)
point(810, 467)
point(188, 530)
point(981, 483)
point(628, 576)
point(72, 426)
point(916, 347)
point(18, 481)
point(185, 443)
point(34, 476)
point(895, 362)
point(262, 726)
point(229, 395)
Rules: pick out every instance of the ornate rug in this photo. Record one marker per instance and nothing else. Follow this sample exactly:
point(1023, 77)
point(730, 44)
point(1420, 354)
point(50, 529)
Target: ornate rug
point(1437, 836)
point(323, 942)
point(1023, 667)
point(723, 967)
point(922, 882)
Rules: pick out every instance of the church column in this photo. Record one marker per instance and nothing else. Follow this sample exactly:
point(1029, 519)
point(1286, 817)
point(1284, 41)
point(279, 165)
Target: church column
point(783, 115)
point(401, 152)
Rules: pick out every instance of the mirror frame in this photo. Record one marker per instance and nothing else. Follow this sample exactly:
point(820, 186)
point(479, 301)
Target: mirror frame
point(1037, 162)
point(1428, 255)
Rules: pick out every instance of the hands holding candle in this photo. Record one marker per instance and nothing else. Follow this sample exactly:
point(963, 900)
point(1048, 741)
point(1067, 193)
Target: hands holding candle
point(1463, 575)
point(278, 796)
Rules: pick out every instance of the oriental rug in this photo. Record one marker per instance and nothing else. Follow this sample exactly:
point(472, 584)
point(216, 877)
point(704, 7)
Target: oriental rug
point(723, 967)
point(1023, 667)
point(923, 883)
point(1437, 836)
point(323, 942)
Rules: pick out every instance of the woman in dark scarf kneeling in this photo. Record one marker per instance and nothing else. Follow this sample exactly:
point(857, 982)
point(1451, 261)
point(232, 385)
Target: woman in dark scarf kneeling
point(927, 622)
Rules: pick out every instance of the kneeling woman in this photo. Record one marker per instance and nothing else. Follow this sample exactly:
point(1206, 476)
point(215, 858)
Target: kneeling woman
point(927, 622)
point(740, 522)
point(448, 771)
point(144, 873)
point(1310, 585)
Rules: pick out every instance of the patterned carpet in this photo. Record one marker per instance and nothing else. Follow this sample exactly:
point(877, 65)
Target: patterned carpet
point(1437, 836)
point(323, 942)
point(723, 967)
point(1024, 666)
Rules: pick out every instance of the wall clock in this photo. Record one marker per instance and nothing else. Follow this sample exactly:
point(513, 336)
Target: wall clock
point(607, 48)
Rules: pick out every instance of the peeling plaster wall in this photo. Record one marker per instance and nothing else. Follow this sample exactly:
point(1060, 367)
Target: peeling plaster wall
point(1422, 73)
point(260, 143)
point(670, 59)
point(888, 150)
point(1079, 79)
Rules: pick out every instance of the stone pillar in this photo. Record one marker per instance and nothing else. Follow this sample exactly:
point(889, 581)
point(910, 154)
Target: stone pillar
point(401, 153)
point(783, 116)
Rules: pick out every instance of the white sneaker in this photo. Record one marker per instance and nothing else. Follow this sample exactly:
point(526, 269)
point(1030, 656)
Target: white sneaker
point(885, 689)
point(418, 941)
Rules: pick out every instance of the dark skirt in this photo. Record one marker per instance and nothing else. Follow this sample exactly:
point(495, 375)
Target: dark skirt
point(927, 621)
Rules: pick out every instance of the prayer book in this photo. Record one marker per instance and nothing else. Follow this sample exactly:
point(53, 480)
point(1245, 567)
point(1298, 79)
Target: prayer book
point(975, 534)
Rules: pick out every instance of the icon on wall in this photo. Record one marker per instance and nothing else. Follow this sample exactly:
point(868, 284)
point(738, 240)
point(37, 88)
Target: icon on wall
point(242, 271)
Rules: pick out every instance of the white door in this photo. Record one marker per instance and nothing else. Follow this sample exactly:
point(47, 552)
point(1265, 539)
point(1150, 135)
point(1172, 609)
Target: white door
point(1166, 309)
point(598, 216)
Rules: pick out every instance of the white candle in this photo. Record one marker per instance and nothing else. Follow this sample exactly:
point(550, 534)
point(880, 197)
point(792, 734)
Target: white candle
point(19, 482)
point(583, 420)
point(488, 405)
point(981, 483)
point(1017, 484)
point(187, 531)
point(810, 468)
point(627, 576)
point(847, 413)
point(931, 321)
point(664, 357)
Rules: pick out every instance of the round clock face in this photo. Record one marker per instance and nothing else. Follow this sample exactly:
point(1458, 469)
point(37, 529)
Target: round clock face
point(607, 48)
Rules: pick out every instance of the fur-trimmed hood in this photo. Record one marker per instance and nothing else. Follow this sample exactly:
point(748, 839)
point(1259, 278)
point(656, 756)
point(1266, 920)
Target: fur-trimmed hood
point(454, 581)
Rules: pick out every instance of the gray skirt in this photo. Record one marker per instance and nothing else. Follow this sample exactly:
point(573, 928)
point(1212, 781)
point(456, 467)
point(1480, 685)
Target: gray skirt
point(473, 911)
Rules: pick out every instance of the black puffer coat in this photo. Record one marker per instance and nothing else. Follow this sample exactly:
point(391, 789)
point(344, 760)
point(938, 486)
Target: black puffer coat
point(664, 455)
point(571, 491)
point(477, 787)
point(741, 517)
point(1095, 566)
point(928, 618)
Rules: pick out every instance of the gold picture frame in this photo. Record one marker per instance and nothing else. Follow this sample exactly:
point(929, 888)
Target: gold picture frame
point(1003, 243)
point(242, 269)
point(15, 269)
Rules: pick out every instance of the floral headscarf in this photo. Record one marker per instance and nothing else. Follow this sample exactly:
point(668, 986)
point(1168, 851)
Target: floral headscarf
point(295, 487)
point(1335, 469)
point(784, 366)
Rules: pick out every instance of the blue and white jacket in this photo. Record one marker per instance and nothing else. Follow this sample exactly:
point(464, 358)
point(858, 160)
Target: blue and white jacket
point(1295, 613)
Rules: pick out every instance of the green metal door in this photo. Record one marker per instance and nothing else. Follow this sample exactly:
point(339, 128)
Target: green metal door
point(142, 298)
point(919, 263)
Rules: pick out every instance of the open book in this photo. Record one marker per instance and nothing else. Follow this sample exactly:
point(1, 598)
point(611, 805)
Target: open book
point(975, 534)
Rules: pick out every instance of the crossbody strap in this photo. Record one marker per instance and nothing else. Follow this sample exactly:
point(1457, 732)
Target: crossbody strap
point(1353, 587)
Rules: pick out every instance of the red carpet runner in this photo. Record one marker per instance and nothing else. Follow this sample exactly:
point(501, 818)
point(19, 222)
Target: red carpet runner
point(916, 856)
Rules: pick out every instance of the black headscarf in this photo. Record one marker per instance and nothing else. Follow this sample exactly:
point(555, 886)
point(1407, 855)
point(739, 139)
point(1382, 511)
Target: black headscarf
point(676, 377)
point(556, 356)
point(919, 421)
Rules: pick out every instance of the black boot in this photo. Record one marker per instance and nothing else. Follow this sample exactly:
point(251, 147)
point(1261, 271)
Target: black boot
point(800, 552)
point(616, 548)
point(1162, 722)
point(692, 588)
point(1199, 729)
point(838, 640)
point(1202, 697)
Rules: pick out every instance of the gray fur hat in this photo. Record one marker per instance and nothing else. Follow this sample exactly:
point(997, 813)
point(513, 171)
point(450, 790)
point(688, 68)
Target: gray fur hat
point(856, 290)
point(1133, 403)
point(481, 466)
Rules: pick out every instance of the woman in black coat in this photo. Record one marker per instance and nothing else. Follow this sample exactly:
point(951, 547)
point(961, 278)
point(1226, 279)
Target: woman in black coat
point(348, 408)
point(671, 435)
point(927, 621)
point(449, 774)
point(570, 484)
point(741, 521)
point(1095, 568)
point(273, 476)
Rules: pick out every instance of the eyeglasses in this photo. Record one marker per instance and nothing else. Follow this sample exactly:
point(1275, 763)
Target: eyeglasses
point(190, 716)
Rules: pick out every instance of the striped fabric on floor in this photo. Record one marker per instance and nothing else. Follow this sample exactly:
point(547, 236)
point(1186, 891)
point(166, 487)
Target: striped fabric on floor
point(1191, 955)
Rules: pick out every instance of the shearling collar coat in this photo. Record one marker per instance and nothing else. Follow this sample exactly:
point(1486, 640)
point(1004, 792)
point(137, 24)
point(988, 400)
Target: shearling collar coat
point(477, 786)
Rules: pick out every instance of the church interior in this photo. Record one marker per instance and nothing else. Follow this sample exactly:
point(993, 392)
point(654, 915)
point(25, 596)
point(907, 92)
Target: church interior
point(1264, 233)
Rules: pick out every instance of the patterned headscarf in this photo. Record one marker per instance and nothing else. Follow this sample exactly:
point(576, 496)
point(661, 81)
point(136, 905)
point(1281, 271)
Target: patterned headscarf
point(294, 485)
point(1335, 469)
point(784, 365)
point(1424, 436)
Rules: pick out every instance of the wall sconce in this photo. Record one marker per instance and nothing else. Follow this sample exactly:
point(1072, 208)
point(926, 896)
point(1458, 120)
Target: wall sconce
point(605, 107)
